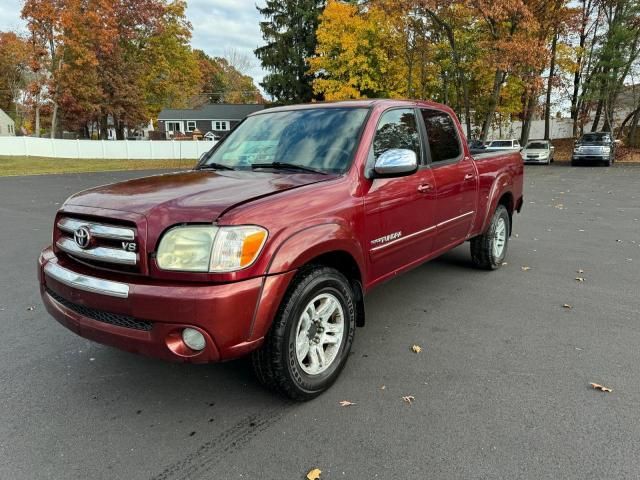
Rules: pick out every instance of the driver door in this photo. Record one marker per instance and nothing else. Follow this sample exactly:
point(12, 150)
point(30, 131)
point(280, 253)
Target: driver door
point(399, 212)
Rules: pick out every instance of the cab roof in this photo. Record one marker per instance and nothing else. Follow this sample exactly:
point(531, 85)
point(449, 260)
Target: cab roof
point(366, 103)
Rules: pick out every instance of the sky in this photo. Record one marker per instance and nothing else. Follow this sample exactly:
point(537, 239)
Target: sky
point(219, 26)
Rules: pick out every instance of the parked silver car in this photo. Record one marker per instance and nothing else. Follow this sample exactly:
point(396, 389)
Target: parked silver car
point(538, 151)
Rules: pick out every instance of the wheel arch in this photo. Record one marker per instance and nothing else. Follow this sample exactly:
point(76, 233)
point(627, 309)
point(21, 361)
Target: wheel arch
point(331, 245)
point(500, 194)
point(506, 200)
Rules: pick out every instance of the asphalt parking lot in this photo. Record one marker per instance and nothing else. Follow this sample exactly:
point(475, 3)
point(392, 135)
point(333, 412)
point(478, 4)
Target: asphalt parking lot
point(501, 386)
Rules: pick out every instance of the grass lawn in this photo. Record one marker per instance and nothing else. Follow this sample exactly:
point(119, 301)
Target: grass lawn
point(39, 165)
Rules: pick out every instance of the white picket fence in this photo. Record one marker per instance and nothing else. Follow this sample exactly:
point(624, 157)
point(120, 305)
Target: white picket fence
point(558, 128)
point(103, 149)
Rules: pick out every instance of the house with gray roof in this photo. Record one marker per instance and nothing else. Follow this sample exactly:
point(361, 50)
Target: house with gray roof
point(212, 121)
point(7, 125)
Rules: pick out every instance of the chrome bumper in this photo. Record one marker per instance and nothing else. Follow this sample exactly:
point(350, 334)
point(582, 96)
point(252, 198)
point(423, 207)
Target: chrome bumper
point(86, 283)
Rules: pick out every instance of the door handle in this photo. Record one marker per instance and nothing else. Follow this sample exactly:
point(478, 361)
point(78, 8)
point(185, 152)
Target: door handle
point(468, 176)
point(424, 188)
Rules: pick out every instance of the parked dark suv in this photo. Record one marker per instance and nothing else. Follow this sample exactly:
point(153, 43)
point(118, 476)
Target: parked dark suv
point(596, 147)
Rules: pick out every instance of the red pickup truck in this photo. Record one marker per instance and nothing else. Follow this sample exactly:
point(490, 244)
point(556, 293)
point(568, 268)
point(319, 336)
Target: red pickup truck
point(269, 245)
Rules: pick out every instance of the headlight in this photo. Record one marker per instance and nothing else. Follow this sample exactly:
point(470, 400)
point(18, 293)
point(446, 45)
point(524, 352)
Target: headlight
point(207, 248)
point(237, 247)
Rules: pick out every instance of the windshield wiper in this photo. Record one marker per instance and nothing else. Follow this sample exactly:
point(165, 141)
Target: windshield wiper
point(287, 166)
point(215, 166)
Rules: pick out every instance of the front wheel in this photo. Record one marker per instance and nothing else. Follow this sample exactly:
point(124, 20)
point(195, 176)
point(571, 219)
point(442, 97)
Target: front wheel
point(311, 336)
point(489, 250)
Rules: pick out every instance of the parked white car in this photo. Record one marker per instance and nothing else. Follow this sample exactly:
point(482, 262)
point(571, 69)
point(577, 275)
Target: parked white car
point(507, 144)
point(538, 151)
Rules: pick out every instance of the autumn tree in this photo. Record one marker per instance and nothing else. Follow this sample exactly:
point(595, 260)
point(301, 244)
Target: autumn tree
point(46, 20)
point(224, 82)
point(109, 62)
point(14, 71)
point(584, 28)
point(289, 30)
point(455, 21)
point(616, 55)
point(171, 72)
point(359, 54)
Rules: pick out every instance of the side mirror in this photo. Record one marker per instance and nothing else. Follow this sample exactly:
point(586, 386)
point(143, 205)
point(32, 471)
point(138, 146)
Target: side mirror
point(396, 163)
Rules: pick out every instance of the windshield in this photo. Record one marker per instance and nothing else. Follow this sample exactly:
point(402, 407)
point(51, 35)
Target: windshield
point(323, 139)
point(595, 137)
point(537, 145)
point(501, 143)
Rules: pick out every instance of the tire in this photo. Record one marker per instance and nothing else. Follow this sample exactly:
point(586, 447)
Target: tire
point(276, 363)
point(485, 253)
point(574, 162)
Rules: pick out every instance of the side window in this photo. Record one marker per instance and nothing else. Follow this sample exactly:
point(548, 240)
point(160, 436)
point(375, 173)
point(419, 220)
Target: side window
point(397, 129)
point(443, 136)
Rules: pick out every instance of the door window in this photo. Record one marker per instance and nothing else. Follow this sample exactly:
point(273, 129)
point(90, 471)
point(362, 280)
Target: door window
point(397, 129)
point(443, 136)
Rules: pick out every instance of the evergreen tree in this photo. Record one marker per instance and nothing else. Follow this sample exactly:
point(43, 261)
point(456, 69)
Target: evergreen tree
point(290, 35)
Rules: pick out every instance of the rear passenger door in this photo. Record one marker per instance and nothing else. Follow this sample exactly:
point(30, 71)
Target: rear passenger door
point(399, 211)
point(455, 177)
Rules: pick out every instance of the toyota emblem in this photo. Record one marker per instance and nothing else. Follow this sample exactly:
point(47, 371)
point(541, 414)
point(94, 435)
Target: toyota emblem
point(82, 237)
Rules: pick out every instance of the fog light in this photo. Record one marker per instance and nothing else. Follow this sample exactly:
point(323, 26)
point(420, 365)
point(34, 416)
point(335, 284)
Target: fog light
point(193, 339)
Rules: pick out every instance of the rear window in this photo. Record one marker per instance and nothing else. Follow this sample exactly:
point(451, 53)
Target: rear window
point(501, 143)
point(443, 135)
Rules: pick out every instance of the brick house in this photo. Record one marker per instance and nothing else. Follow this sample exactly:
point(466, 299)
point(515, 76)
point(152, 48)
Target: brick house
point(213, 120)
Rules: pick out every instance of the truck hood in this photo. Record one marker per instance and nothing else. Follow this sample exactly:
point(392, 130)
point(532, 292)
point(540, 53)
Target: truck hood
point(193, 196)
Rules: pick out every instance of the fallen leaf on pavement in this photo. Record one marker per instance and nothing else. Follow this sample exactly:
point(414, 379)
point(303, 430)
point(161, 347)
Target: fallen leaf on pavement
point(346, 403)
point(602, 388)
point(409, 399)
point(579, 279)
point(567, 306)
point(416, 348)
point(314, 474)
point(524, 269)
point(580, 271)
point(504, 263)
point(30, 309)
point(383, 387)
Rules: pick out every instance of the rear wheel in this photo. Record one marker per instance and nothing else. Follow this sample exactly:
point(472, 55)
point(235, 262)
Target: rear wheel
point(311, 337)
point(489, 250)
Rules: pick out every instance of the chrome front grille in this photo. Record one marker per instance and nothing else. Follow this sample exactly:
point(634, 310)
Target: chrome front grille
point(98, 254)
point(98, 230)
point(99, 244)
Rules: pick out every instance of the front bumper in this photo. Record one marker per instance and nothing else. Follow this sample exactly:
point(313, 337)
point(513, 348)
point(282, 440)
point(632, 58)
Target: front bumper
point(144, 316)
point(538, 160)
point(590, 158)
